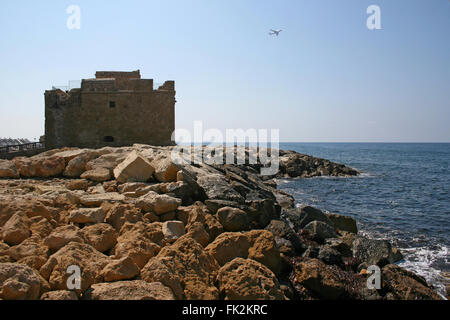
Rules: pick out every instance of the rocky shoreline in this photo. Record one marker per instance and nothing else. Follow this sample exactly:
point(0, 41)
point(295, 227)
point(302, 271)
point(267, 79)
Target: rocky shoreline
point(139, 226)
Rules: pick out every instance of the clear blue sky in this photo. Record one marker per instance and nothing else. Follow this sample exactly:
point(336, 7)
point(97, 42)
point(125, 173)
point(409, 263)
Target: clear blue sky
point(325, 78)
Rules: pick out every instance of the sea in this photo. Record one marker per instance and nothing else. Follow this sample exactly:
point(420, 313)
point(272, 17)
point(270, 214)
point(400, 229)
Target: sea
point(402, 195)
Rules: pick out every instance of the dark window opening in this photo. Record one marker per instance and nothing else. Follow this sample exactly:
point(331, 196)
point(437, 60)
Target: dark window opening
point(108, 139)
point(112, 104)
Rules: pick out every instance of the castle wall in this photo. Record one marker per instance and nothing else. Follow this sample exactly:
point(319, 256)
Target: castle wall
point(110, 112)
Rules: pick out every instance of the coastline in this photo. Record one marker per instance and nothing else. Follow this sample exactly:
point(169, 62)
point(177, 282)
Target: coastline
point(302, 252)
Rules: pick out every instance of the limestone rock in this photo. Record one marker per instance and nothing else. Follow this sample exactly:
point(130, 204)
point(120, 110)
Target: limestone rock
point(405, 285)
point(16, 229)
point(216, 187)
point(101, 236)
point(258, 245)
point(61, 236)
point(19, 282)
point(197, 232)
point(320, 230)
point(373, 251)
point(41, 167)
point(8, 169)
point(233, 219)
point(95, 200)
point(299, 217)
point(122, 269)
point(87, 215)
point(129, 290)
point(98, 174)
point(343, 223)
point(173, 230)
point(90, 261)
point(157, 203)
point(59, 295)
point(246, 279)
point(32, 246)
point(165, 169)
point(186, 268)
point(140, 242)
point(78, 184)
point(121, 213)
point(133, 168)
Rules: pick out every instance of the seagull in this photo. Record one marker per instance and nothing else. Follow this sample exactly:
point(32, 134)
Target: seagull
point(274, 32)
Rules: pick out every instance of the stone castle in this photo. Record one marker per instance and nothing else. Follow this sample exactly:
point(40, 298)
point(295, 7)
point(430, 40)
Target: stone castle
point(113, 109)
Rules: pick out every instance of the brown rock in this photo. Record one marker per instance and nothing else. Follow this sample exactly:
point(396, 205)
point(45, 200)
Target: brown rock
point(134, 168)
point(319, 279)
point(173, 230)
point(405, 285)
point(42, 167)
point(233, 219)
point(258, 245)
point(90, 261)
point(140, 242)
point(87, 215)
point(186, 268)
point(98, 174)
point(122, 269)
point(157, 203)
point(78, 184)
point(40, 227)
point(197, 232)
point(19, 282)
point(16, 229)
point(121, 213)
point(63, 235)
point(129, 290)
point(59, 295)
point(8, 169)
point(246, 279)
point(101, 236)
point(32, 246)
point(165, 169)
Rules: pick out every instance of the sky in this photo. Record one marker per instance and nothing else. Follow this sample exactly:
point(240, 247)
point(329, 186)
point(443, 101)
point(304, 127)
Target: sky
point(325, 78)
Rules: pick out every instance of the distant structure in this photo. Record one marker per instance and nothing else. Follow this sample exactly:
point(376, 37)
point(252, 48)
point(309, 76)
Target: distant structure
point(113, 109)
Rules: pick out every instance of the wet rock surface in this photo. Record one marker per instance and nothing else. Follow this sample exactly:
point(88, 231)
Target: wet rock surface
point(140, 226)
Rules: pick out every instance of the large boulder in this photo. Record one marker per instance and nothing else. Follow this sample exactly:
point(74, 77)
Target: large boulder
point(61, 236)
point(140, 242)
point(133, 168)
point(299, 217)
point(343, 223)
point(97, 174)
point(8, 169)
point(165, 169)
point(258, 245)
point(121, 269)
point(233, 219)
point(129, 290)
point(281, 229)
point(246, 279)
point(119, 214)
point(20, 282)
point(89, 260)
point(320, 230)
point(372, 251)
point(186, 268)
point(217, 187)
point(101, 236)
point(173, 230)
point(59, 295)
point(402, 284)
point(157, 203)
point(38, 166)
point(325, 282)
point(16, 229)
point(87, 215)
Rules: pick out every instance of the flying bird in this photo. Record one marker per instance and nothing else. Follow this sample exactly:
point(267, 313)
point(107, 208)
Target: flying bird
point(274, 32)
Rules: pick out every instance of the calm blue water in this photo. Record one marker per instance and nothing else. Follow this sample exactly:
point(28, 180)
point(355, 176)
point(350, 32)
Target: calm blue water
point(402, 195)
